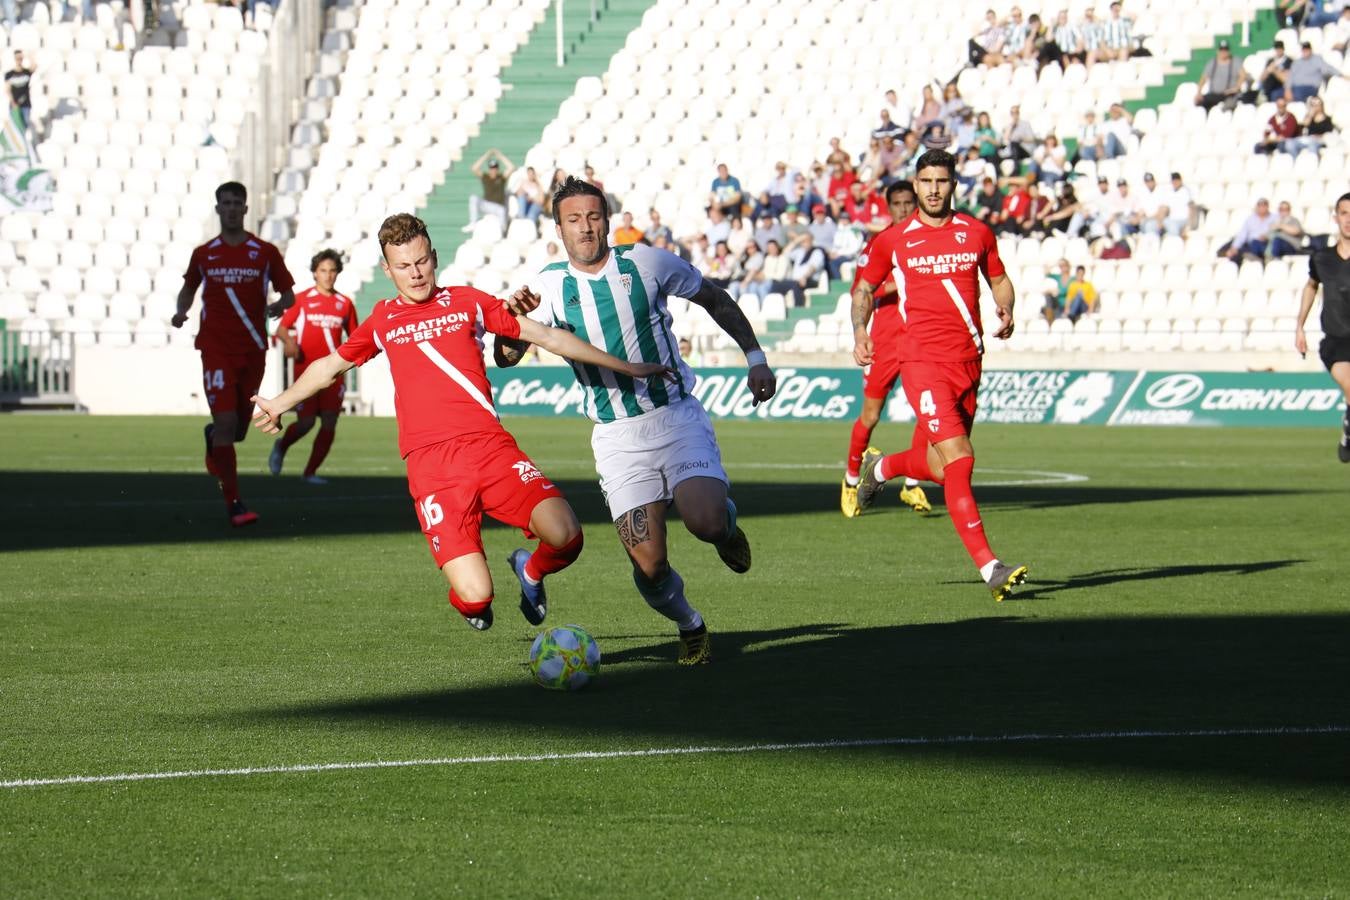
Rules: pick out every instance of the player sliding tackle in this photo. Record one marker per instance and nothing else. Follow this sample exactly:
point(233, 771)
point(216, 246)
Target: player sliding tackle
point(461, 461)
point(936, 258)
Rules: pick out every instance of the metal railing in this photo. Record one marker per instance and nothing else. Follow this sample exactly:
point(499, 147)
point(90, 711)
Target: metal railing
point(37, 368)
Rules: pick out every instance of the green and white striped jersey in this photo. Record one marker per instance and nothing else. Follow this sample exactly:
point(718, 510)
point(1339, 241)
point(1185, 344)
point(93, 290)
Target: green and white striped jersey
point(622, 309)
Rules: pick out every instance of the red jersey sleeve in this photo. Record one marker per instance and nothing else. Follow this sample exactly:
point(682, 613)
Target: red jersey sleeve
point(193, 275)
point(877, 264)
point(279, 274)
point(496, 317)
point(349, 325)
point(362, 345)
point(289, 317)
point(992, 263)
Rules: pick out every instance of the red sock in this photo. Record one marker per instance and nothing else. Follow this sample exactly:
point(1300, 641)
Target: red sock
point(912, 463)
point(965, 514)
point(226, 469)
point(857, 443)
point(293, 434)
point(322, 442)
point(466, 608)
point(547, 559)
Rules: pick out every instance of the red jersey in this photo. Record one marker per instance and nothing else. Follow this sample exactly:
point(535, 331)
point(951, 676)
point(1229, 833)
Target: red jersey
point(937, 276)
point(435, 351)
point(863, 211)
point(319, 321)
point(234, 301)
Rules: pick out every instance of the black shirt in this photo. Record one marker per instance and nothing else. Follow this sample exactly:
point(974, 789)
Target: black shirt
point(1328, 269)
point(17, 80)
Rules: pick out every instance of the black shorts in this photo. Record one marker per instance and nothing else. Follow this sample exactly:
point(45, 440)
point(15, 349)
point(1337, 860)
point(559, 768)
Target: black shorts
point(1334, 350)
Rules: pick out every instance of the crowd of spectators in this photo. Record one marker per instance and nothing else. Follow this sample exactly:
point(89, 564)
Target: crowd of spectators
point(1030, 40)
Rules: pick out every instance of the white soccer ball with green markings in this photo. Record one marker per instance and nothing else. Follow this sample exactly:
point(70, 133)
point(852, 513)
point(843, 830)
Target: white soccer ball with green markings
point(565, 658)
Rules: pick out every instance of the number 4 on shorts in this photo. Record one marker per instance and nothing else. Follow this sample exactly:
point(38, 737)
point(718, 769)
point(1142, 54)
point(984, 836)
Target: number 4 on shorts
point(926, 404)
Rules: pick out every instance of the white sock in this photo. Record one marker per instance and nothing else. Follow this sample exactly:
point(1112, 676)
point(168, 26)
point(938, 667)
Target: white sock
point(988, 569)
point(910, 483)
point(851, 480)
point(880, 470)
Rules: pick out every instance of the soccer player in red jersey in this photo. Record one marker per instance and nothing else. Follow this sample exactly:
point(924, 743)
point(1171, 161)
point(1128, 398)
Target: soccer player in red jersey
point(238, 270)
point(461, 462)
point(310, 330)
point(936, 257)
point(880, 377)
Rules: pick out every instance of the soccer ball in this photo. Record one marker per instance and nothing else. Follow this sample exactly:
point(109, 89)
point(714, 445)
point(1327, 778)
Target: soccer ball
point(564, 658)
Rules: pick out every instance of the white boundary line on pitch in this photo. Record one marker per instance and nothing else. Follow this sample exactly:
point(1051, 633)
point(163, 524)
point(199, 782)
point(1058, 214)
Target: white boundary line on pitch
point(1030, 738)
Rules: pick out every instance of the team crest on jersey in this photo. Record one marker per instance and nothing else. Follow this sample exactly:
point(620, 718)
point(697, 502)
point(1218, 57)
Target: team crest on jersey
point(960, 237)
point(627, 281)
point(436, 543)
point(253, 254)
point(862, 260)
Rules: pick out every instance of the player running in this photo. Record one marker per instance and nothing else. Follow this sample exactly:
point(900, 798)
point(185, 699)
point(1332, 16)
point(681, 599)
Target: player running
point(238, 269)
point(461, 461)
point(1329, 268)
point(653, 442)
point(880, 378)
point(936, 257)
point(310, 330)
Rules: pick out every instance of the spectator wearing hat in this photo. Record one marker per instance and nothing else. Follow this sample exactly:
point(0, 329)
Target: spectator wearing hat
point(821, 228)
point(492, 169)
point(1307, 74)
point(1222, 81)
point(1094, 211)
point(1152, 206)
point(1276, 72)
point(1127, 216)
point(1282, 126)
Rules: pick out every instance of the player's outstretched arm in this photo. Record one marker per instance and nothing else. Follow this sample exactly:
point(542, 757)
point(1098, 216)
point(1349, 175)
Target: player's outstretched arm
point(1004, 298)
point(318, 376)
point(1305, 306)
point(505, 351)
point(568, 345)
point(185, 295)
point(731, 319)
point(860, 312)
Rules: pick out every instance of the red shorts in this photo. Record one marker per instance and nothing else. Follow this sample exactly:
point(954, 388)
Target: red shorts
point(942, 396)
point(880, 377)
point(231, 380)
point(327, 400)
point(454, 482)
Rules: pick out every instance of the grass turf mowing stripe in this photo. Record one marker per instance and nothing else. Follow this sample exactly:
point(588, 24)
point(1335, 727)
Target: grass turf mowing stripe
point(1274, 731)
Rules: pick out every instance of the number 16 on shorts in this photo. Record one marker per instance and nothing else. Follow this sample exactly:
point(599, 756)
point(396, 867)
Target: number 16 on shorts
point(432, 514)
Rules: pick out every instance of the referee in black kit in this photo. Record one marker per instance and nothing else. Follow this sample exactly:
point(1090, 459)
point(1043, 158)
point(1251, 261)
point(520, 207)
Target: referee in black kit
point(1329, 269)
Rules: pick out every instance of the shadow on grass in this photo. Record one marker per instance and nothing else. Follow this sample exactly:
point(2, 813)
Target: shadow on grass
point(90, 509)
point(1041, 587)
point(985, 677)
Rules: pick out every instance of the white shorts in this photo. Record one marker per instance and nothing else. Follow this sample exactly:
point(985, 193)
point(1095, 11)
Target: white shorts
point(641, 460)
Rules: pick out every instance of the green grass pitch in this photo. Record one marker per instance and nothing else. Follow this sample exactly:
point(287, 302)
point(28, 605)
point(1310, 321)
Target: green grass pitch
point(1128, 708)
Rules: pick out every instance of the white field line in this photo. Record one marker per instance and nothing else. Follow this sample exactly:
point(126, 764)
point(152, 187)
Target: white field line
point(1029, 738)
point(319, 496)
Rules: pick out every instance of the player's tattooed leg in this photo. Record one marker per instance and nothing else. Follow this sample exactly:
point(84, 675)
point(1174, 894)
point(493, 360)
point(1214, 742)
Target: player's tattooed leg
point(634, 527)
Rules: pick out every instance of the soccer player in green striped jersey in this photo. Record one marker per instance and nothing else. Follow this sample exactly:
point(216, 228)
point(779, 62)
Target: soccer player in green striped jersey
point(653, 441)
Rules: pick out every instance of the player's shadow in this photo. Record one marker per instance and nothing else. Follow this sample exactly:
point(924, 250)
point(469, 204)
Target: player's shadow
point(1043, 587)
point(47, 510)
point(1168, 688)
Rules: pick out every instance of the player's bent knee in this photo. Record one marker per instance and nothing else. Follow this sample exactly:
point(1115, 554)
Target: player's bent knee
point(709, 526)
point(554, 522)
point(654, 567)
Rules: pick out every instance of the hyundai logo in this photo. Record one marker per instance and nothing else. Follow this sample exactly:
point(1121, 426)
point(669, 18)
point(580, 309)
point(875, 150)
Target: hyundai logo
point(1174, 390)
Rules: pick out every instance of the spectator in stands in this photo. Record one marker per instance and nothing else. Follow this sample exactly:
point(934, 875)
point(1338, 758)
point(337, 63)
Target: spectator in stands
point(988, 203)
point(909, 153)
point(1019, 139)
point(765, 206)
point(929, 111)
point(848, 243)
point(1067, 42)
point(809, 262)
point(742, 232)
point(1094, 211)
point(804, 192)
point(794, 224)
point(769, 229)
point(973, 168)
point(869, 166)
point(529, 196)
point(1090, 32)
point(1307, 74)
point(726, 192)
point(1291, 12)
point(1276, 72)
point(1040, 204)
point(1129, 214)
point(1081, 295)
point(837, 154)
point(1337, 34)
point(719, 226)
point(841, 180)
point(1314, 128)
point(963, 133)
point(1097, 142)
point(1014, 216)
point(19, 81)
point(750, 266)
point(821, 229)
point(1049, 161)
point(780, 186)
point(986, 138)
point(887, 127)
point(1321, 14)
point(865, 209)
point(1251, 240)
point(1056, 290)
point(1178, 205)
point(1152, 206)
point(1016, 33)
point(778, 276)
point(1222, 81)
point(985, 48)
point(588, 173)
point(1038, 37)
point(655, 229)
point(1286, 238)
point(493, 177)
point(721, 269)
point(699, 251)
point(1116, 36)
point(559, 176)
point(1120, 125)
point(627, 232)
point(953, 106)
point(1280, 127)
point(900, 111)
point(890, 160)
point(1058, 217)
point(10, 14)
